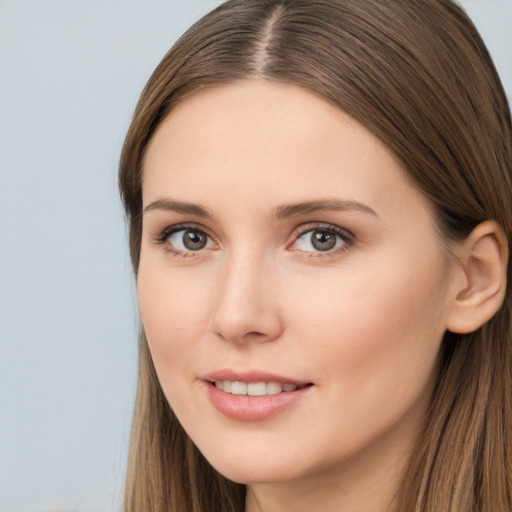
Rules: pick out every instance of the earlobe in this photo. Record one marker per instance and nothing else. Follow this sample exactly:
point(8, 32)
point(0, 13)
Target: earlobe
point(484, 258)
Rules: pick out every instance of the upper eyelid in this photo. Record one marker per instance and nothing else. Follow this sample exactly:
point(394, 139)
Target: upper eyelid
point(296, 233)
point(321, 226)
point(183, 226)
point(348, 238)
point(303, 228)
point(163, 234)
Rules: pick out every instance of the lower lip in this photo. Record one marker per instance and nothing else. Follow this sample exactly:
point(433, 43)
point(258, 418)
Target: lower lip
point(253, 408)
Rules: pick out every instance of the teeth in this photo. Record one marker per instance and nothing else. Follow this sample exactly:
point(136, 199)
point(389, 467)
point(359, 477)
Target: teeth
point(273, 388)
point(239, 388)
point(257, 389)
point(254, 388)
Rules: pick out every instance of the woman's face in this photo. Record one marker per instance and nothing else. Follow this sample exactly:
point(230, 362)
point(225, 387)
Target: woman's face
point(286, 255)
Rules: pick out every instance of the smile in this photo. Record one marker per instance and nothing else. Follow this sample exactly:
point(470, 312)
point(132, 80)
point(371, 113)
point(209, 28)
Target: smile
point(254, 401)
point(254, 388)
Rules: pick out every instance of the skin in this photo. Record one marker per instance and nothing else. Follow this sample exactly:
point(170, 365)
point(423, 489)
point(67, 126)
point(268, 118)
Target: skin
point(362, 322)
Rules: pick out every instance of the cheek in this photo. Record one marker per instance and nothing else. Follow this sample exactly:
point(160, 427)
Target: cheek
point(380, 328)
point(372, 340)
point(173, 312)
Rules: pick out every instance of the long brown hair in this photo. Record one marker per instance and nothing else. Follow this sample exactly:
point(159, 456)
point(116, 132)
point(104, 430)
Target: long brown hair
point(417, 74)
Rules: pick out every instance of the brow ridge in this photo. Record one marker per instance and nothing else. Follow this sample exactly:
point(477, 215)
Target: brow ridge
point(282, 212)
point(178, 207)
point(304, 208)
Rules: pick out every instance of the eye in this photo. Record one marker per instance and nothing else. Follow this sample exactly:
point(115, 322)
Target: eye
point(187, 240)
point(321, 239)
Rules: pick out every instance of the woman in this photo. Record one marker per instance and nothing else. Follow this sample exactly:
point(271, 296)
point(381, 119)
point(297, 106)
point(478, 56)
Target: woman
point(319, 201)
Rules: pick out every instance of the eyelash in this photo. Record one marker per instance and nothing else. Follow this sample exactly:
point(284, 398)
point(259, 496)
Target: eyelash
point(163, 237)
point(346, 237)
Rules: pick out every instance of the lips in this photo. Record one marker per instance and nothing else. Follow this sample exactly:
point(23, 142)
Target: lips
point(253, 396)
point(253, 376)
point(254, 388)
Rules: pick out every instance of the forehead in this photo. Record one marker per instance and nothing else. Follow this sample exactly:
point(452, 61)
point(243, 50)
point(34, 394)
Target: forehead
point(268, 141)
point(258, 110)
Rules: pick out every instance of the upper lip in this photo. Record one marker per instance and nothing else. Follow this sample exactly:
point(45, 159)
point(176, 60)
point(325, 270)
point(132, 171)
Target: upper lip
point(252, 376)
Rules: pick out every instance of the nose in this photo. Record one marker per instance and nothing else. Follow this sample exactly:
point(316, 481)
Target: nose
point(246, 307)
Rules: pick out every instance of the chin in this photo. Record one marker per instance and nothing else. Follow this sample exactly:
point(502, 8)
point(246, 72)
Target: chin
point(249, 474)
point(247, 470)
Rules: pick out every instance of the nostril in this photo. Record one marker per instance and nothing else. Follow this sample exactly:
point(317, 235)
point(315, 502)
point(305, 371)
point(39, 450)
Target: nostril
point(256, 336)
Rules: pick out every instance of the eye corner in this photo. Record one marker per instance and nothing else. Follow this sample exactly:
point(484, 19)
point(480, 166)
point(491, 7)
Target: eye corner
point(174, 239)
point(331, 240)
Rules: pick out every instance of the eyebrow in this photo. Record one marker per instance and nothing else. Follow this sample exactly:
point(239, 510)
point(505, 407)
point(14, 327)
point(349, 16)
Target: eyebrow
point(282, 212)
point(178, 207)
point(304, 208)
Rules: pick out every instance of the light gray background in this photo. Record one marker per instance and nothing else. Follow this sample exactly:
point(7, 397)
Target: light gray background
point(70, 74)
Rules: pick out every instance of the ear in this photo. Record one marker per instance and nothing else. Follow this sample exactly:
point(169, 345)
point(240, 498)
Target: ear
point(483, 257)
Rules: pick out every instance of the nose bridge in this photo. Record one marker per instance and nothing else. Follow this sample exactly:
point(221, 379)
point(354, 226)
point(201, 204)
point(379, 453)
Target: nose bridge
point(246, 307)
